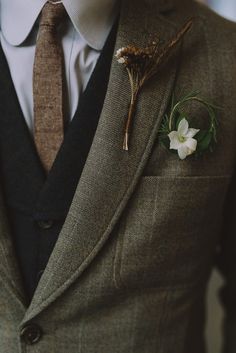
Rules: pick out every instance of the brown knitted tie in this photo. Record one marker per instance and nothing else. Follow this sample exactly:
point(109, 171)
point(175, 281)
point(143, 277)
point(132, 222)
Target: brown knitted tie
point(47, 85)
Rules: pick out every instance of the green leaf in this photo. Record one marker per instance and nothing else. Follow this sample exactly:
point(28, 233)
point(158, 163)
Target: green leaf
point(165, 141)
point(205, 142)
point(201, 135)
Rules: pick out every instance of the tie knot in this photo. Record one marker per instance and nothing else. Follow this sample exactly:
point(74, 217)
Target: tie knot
point(52, 14)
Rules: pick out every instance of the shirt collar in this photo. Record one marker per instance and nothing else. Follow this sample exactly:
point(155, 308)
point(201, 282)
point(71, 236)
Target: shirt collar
point(93, 19)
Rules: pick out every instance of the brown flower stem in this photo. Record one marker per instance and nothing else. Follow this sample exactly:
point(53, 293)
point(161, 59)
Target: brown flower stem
point(163, 55)
point(141, 65)
point(129, 121)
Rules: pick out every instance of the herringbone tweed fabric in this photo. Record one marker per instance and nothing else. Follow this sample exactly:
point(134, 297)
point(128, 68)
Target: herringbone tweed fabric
point(131, 265)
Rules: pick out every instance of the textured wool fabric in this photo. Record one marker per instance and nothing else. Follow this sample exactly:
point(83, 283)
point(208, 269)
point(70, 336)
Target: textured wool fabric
point(130, 269)
point(48, 85)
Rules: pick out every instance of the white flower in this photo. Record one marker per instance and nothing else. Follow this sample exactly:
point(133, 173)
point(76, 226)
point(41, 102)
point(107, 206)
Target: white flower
point(119, 51)
point(182, 140)
point(120, 56)
point(121, 60)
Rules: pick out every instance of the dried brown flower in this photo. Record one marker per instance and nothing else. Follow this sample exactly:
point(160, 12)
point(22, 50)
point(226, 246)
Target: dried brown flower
point(141, 65)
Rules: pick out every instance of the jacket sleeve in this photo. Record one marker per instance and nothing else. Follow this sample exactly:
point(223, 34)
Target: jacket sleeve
point(226, 263)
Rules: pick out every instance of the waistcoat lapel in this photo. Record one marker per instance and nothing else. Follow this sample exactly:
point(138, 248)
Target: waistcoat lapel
point(110, 174)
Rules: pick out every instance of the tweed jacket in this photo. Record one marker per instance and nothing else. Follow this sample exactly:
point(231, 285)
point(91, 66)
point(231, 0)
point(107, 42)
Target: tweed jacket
point(131, 265)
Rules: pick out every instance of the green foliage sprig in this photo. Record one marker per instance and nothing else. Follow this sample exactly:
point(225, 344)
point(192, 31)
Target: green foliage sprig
point(206, 138)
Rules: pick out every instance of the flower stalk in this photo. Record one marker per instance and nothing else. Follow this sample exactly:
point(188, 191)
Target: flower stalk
point(143, 64)
point(131, 112)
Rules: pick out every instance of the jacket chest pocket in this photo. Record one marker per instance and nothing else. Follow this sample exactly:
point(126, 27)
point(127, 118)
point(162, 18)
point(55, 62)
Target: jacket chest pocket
point(169, 231)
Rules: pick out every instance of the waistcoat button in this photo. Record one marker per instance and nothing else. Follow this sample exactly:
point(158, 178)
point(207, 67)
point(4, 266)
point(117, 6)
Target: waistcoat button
point(45, 224)
point(31, 334)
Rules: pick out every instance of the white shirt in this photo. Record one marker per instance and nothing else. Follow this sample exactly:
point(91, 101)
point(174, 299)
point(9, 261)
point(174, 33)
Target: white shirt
point(83, 37)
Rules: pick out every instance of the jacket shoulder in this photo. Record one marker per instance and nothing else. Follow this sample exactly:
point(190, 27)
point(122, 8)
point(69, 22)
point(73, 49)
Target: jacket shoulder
point(214, 23)
point(218, 28)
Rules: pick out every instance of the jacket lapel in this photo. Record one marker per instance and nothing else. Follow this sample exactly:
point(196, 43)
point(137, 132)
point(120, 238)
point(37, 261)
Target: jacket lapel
point(110, 174)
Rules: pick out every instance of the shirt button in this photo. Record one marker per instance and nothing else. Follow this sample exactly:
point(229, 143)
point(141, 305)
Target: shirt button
point(45, 224)
point(31, 334)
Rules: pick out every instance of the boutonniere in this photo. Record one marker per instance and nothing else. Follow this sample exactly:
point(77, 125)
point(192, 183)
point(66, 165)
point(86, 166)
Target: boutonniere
point(143, 64)
point(176, 134)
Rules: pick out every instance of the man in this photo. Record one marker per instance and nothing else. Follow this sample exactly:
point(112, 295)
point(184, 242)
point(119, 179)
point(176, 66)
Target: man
point(105, 250)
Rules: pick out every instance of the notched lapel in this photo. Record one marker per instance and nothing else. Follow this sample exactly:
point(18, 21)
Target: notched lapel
point(110, 174)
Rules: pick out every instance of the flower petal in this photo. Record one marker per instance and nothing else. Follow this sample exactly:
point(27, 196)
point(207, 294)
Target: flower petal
point(183, 151)
point(191, 144)
point(121, 60)
point(183, 127)
point(192, 132)
point(174, 140)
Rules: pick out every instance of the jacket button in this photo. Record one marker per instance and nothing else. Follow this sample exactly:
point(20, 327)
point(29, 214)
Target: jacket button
point(45, 224)
point(31, 334)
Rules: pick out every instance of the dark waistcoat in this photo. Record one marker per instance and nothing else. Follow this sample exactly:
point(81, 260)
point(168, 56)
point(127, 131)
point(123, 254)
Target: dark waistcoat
point(37, 204)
